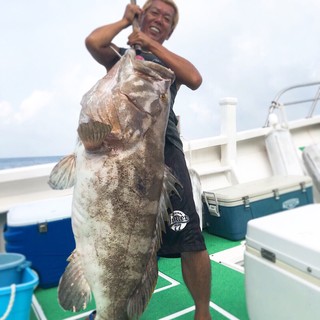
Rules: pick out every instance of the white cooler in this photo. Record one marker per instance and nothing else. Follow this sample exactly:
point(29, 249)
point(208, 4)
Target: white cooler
point(282, 265)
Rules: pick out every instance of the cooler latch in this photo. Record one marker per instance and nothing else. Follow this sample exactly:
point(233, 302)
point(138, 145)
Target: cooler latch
point(268, 255)
point(246, 201)
point(43, 227)
point(303, 186)
point(276, 194)
point(213, 207)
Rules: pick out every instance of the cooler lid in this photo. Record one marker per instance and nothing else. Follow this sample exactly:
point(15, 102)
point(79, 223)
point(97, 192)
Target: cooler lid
point(262, 188)
point(40, 211)
point(291, 237)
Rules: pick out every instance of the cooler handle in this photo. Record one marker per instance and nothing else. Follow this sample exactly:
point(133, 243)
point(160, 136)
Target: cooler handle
point(214, 207)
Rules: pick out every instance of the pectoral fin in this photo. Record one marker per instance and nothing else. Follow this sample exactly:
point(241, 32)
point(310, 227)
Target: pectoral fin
point(92, 134)
point(62, 175)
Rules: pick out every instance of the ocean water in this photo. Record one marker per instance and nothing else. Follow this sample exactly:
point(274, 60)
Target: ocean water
point(8, 163)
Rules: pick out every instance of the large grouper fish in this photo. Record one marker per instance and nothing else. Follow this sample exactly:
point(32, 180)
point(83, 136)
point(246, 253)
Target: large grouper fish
point(121, 190)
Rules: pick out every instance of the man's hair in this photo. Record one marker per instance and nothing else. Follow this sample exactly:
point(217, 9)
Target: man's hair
point(171, 3)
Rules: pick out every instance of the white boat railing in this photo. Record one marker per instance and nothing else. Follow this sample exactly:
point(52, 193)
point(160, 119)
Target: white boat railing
point(276, 104)
point(228, 158)
point(25, 184)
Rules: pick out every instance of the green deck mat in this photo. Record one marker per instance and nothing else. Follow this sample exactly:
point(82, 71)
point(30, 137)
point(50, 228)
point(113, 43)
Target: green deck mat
point(227, 291)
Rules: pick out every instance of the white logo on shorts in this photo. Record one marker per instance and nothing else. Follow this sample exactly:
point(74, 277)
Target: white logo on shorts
point(178, 220)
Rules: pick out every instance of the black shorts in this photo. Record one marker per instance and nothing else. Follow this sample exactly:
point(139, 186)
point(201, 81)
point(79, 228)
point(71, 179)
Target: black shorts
point(183, 233)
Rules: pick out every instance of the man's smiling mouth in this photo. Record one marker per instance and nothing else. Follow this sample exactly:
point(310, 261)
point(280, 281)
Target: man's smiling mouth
point(155, 29)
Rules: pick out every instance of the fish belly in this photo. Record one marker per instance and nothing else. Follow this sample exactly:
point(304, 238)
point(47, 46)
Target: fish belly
point(114, 215)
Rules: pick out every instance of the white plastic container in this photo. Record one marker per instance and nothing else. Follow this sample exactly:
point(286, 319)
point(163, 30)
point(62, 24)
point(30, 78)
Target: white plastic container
point(282, 265)
point(282, 153)
point(311, 159)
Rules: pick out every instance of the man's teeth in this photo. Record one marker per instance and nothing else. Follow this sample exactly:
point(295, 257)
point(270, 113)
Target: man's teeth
point(155, 29)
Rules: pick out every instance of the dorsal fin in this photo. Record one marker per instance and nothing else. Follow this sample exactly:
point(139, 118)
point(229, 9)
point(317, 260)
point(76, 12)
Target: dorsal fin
point(92, 134)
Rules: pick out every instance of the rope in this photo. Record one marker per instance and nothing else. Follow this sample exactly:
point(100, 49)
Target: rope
point(11, 302)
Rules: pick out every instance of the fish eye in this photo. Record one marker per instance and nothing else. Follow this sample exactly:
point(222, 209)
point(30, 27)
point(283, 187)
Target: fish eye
point(163, 96)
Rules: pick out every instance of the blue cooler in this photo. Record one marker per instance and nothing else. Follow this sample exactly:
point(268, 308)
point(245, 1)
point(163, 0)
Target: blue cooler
point(228, 210)
point(42, 232)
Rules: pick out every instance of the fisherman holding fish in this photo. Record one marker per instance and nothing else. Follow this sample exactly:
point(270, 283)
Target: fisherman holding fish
point(157, 20)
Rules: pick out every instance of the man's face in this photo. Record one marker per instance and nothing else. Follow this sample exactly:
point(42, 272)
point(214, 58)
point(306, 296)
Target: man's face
point(157, 21)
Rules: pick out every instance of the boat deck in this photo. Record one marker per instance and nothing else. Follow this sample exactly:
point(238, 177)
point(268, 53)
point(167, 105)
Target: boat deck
point(171, 299)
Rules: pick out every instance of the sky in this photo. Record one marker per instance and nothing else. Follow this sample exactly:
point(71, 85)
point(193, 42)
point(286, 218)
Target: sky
point(247, 49)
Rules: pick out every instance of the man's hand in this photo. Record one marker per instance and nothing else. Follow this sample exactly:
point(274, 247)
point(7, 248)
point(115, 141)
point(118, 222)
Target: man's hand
point(131, 12)
point(141, 39)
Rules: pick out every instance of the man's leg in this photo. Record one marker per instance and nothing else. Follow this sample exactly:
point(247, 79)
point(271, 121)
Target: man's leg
point(196, 270)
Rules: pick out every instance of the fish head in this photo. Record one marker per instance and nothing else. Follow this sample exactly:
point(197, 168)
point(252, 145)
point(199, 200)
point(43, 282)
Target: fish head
point(144, 88)
point(133, 99)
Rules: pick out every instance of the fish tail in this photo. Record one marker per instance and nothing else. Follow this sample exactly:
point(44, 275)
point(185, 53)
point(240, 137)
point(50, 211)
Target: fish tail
point(139, 300)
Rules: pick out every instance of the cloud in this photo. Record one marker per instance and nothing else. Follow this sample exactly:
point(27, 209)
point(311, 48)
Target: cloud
point(202, 112)
point(31, 106)
point(5, 111)
point(76, 79)
point(245, 49)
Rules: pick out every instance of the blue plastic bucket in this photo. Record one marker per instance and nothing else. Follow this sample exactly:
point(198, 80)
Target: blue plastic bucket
point(11, 268)
point(15, 300)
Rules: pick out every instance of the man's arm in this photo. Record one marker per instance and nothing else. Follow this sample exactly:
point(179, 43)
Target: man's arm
point(99, 41)
point(186, 73)
point(99, 44)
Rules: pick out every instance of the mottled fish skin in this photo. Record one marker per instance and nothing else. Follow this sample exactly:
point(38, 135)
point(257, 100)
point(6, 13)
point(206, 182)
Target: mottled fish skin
point(120, 194)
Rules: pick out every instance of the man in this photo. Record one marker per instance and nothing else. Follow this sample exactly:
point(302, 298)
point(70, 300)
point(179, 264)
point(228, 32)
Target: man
point(157, 20)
